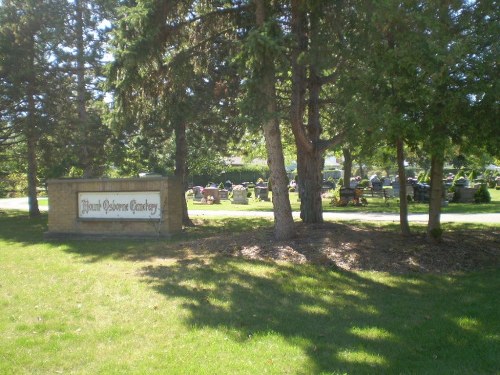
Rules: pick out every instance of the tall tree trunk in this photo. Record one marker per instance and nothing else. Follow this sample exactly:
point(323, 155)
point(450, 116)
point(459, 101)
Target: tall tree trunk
point(307, 139)
point(347, 167)
point(32, 136)
point(181, 170)
point(403, 202)
point(81, 92)
point(434, 231)
point(310, 164)
point(299, 87)
point(284, 227)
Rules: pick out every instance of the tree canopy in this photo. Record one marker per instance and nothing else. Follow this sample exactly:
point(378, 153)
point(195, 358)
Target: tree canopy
point(187, 80)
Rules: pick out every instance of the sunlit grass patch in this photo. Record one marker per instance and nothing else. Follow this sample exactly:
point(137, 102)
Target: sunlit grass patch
point(362, 356)
point(372, 333)
point(468, 323)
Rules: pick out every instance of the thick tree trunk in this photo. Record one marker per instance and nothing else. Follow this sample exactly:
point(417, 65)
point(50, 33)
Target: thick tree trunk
point(434, 231)
point(284, 227)
point(181, 151)
point(310, 181)
point(403, 202)
point(347, 167)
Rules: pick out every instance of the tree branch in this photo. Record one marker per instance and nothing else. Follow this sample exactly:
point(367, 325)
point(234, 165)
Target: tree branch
point(325, 144)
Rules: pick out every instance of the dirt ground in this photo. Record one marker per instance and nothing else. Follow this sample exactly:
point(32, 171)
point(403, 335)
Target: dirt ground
point(350, 247)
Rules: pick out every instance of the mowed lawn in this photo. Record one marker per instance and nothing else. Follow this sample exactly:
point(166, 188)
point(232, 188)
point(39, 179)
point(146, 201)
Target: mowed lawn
point(158, 307)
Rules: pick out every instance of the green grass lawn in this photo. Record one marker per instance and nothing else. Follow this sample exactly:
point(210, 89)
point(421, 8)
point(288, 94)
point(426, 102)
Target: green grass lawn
point(374, 205)
point(157, 307)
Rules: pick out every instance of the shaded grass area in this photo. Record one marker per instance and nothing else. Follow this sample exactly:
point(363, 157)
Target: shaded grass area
point(153, 306)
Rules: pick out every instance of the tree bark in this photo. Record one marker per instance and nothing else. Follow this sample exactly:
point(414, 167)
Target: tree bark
point(81, 92)
point(310, 181)
point(31, 135)
point(181, 170)
point(34, 210)
point(284, 227)
point(307, 138)
point(299, 77)
point(403, 202)
point(434, 231)
point(361, 171)
point(347, 167)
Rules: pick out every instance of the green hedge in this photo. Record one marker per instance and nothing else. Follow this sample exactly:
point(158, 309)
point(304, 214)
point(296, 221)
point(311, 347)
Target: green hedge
point(236, 175)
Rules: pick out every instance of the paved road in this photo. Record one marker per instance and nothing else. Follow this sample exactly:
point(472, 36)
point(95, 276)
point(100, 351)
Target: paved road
point(22, 204)
point(364, 216)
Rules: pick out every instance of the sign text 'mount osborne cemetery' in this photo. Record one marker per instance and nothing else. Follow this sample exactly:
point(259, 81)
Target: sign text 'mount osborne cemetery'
point(119, 205)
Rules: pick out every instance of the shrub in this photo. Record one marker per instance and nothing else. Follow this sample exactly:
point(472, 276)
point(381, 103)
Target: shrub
point(482, 195)
point(421, 177)
point(472, 175)
point(364, 183)
point(4, 188)
point(14, 183)
point(459, 175)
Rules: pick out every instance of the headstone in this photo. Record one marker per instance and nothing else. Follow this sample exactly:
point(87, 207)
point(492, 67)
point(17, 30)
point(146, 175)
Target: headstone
point(262, 193)
point(325, 189)
point(395, 189)
point(197, 193)
point(465, 195)
point(409, 190)
point(240, 195)
point(224, 194)
point(347, 194)
point(377, 185)
point(421, 193)
point(211, 194)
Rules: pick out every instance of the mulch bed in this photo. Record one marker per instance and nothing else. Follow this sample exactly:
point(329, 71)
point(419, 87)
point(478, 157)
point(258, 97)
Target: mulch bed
point(350, 247)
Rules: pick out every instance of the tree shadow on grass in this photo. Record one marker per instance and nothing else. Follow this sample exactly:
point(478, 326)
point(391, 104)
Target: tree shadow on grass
point(17, 226)
point(344, 322)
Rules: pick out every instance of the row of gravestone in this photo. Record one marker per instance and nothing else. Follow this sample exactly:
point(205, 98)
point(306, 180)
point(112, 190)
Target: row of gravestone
point(212, 195)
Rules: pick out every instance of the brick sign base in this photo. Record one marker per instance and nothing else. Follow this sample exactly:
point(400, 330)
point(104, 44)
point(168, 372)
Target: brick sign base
point(96, 208)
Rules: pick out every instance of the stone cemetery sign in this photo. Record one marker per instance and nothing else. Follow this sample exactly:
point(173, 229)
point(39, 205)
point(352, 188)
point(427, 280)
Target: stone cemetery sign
point(137, 207)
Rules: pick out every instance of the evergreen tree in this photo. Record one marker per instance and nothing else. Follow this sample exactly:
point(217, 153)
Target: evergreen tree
point(29, 32)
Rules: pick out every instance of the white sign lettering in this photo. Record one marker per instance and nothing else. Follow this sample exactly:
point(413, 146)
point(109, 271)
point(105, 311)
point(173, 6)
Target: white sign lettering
point(119, 205)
